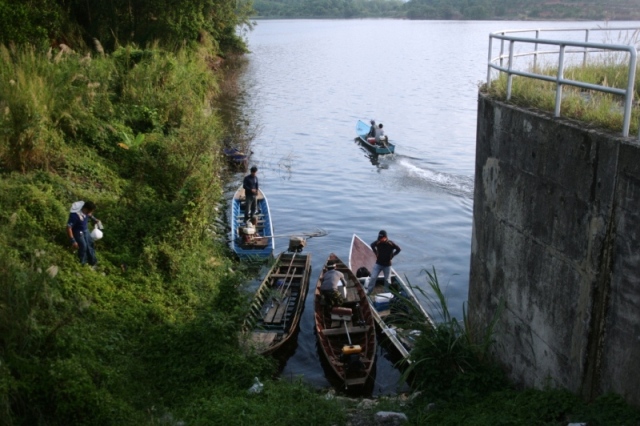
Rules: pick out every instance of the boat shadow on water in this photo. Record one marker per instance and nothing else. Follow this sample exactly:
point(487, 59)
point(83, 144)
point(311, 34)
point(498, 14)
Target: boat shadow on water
point(380, 161)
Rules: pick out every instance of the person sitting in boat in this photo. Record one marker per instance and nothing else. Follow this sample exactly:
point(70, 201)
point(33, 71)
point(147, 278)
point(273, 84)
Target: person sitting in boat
point(329, 287)
point(372, 130)
point(380, 136)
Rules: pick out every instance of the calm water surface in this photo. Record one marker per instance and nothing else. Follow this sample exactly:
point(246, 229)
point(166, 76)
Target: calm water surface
point(307, 83)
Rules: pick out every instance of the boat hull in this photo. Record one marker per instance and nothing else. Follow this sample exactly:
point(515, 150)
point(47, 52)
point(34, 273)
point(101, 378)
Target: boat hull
point(265, 247)
point(392, 325)
point(275, 312)
point(346, 336)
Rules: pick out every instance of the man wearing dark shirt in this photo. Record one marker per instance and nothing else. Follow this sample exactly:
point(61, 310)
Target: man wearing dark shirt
point(385, 250)
point(78, 232)
point(250, 185)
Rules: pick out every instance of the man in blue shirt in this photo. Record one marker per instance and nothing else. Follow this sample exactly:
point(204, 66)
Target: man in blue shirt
point(250, 185)
point(78, 232)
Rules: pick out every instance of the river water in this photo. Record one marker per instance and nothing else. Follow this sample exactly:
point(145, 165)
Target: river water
point(306, 84)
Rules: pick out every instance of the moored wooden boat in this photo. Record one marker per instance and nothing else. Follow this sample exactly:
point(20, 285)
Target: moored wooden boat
point(263, 244)
point(275, 312)
point(346, 334)
point(380, 148)
point(395, 308)
point(238, 160)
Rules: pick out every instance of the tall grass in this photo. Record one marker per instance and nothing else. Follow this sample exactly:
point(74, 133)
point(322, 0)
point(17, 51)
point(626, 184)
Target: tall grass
point(600, 109)
point(448, 359)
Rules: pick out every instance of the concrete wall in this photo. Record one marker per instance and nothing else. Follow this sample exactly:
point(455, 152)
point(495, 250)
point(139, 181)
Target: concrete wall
point(556, 239)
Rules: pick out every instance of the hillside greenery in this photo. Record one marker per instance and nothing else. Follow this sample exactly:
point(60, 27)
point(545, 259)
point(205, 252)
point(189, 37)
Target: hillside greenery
point(151, 336)
point(451, 9)
point(114, 23)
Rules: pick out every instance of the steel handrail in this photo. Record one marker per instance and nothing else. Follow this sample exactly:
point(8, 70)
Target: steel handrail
point(497, 63)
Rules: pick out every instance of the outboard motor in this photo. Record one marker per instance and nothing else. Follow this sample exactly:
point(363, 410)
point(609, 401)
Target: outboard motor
point(297, 244)
point(352, 361)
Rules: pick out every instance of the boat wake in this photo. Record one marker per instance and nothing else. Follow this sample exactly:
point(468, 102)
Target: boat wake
point(459, 185)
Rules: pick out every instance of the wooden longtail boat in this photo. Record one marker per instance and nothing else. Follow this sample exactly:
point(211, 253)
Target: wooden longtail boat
point(263, 244)
point(394, 309)
point(275, 312)
point(346, 334)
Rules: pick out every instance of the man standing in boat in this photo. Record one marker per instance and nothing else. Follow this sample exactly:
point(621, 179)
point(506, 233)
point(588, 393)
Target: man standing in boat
point(250, 185)
point(385, 250)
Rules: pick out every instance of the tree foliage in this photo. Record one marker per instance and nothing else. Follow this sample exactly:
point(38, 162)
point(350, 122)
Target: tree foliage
point(120, 22)
point(450, 9)
point(328, 9)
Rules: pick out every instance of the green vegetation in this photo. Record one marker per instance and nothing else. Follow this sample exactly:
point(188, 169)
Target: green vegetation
point(450, 9)
point(328, 9)
point(121, 22)
point(150, 337)
point(597, 108)
point(132, 131)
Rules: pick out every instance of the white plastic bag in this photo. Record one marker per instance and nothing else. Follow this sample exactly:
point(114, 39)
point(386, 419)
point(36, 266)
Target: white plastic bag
point(256, 387)
point(96, 234)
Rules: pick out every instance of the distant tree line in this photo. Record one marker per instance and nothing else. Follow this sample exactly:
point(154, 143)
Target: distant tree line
point(451, 9)
point(328, 8)
point(119, 22)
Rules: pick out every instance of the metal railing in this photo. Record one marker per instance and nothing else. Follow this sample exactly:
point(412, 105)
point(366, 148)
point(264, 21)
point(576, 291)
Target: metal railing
point(564, 47)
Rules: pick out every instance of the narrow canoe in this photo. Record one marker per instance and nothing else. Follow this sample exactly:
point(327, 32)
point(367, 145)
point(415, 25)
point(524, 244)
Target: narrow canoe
point(261, 248)
point(346, 335)
point(390, 313)
point(362, 130)
point(275, 312)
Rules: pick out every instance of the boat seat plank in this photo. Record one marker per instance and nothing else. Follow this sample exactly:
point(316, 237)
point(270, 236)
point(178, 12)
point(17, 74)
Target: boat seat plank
point(255, 245)
point(280, 313)
point(356, 381)
point(341, 330)
point(270, 313)
point(276, 313)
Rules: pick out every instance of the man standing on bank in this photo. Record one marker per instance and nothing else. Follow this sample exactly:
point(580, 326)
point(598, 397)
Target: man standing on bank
point(78, 232)
point(250, 185)
point(385, 250)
